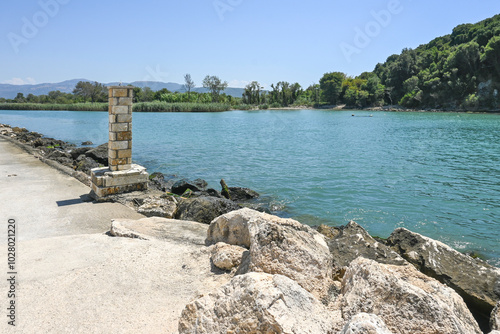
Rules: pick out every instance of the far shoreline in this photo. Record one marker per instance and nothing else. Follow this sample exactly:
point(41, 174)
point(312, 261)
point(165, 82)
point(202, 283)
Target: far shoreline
point(174, 107)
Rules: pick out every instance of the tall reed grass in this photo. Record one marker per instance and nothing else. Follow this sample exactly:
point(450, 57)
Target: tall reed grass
point(157, 106)
point(54, 106)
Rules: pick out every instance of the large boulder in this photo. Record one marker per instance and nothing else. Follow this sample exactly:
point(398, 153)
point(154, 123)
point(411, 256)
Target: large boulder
point(405, 299)
point(204, 209)
point(495, 318)
point(158, 181)
point(164, 206)
point(277, 246)
point(363, 323)
point(179, 231)
point(257, 303)
point(58, 154)
point(353, 241)
point(239, 194)
point(77, 151)
point(232, 228)
point(85, 164)
point(181, 186)
point(477, 282)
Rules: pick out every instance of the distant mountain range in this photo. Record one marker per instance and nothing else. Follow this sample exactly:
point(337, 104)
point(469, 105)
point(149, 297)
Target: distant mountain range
point(10, 91)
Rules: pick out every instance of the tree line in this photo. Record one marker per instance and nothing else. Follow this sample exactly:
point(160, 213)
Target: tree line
point(459, 70)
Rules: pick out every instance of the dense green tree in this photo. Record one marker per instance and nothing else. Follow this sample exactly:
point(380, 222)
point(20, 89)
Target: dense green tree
point(20, 98)
point(148, 94)
point(95, 92)
point(331, 86)
point(157, 95)
point(215, 86)
point(313, 93)
point(32, 98)
point(137, 94)
point(490, 58)
point(251, 95)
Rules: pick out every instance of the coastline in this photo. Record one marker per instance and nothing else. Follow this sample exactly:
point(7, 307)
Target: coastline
point(159, 184)
point(178, 107)
point(338, 238)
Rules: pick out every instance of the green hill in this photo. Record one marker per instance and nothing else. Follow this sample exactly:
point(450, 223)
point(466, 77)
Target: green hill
point(457, 70)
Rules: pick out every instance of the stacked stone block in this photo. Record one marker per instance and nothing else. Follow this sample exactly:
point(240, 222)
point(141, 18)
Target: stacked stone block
point(121, 175)
point(120, 128)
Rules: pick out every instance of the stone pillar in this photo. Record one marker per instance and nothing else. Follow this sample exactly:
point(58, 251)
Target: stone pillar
point(120, 128)
point(121, 176)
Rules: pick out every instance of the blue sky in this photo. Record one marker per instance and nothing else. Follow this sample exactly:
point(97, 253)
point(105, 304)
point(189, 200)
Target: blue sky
point(237, 40)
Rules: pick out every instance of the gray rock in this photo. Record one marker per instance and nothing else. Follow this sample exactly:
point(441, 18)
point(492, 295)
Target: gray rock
point(76, 152)
point(405, 299)
point(257, 303)
point(495, 318)
point(181, 186)
point(353, 241)
point(242, 194)
point(364, 323)
point(474, 280)
point(86, 164)
point(204, 209)
point(64, 161)
point(158, 207)
point(160, 228)
point(159, 181)
point(58, 154)
point(99, 154)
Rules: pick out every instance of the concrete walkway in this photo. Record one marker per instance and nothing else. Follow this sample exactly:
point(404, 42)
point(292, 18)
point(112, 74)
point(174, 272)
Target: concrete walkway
point(71, 276)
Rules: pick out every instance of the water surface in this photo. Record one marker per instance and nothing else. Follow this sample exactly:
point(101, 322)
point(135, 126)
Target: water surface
point(434, 173)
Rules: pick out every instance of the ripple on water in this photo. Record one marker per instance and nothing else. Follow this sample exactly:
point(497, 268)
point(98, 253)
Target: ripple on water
point(435, 173)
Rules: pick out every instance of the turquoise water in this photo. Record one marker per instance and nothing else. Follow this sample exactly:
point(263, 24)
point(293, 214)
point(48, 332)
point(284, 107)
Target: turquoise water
point(434, 173)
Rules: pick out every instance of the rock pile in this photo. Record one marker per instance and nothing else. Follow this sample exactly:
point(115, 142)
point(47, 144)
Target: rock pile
point(477, 282)
point(169, 197)
point(288, 278)
point(81, 159)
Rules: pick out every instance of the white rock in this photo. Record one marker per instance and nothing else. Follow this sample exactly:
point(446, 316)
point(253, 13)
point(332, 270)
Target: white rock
point(227, 257)
point(257, 303)
point(405, 299)
point(365, 323)
point(277, 246)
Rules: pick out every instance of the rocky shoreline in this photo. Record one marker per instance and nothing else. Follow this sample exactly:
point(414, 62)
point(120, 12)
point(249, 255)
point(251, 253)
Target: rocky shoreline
point(290, 278)
point(167, 196)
